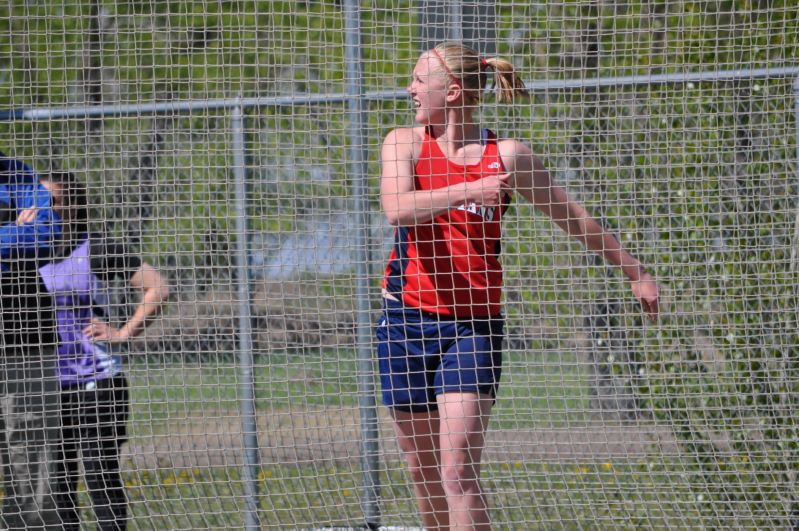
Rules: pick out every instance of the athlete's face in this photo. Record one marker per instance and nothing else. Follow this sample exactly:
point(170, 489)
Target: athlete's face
point(428, 89)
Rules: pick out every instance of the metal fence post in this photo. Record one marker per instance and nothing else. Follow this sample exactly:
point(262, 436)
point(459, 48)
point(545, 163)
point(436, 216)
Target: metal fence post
point(795, 246)
point(249, 427)
point(370, 459)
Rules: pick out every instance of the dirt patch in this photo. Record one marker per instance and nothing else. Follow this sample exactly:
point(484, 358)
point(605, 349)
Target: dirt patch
point(326, 436)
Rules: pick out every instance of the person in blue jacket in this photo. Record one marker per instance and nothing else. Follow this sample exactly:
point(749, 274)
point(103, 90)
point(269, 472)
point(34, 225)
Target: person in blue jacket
point(28, 398)
point(93, 388)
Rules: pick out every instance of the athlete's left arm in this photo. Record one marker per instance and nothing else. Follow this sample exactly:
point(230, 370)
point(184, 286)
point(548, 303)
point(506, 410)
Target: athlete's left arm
point(155, 292)
point(533, 182)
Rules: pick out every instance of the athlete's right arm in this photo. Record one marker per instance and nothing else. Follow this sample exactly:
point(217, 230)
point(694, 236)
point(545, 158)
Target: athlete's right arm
point(402, 204)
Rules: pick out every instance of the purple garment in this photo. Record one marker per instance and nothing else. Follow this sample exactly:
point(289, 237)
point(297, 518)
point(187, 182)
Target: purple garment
point(76, 290)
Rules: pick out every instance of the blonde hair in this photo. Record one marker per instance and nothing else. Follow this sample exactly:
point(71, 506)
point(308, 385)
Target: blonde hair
point(465, 66)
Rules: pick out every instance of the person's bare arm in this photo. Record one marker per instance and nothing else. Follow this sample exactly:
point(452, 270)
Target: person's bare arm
point(534, 183)
point(154, 293)
point(404, 205)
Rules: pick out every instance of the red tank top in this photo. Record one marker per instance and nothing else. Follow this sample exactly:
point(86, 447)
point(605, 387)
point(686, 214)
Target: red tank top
point(450, 264)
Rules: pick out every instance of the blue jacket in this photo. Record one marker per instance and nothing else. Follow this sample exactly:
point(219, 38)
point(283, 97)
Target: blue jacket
point(19, 190)
point(26, 310)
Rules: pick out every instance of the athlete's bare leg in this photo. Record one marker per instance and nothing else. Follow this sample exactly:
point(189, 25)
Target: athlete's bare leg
point(417, 434)
point(463, 423)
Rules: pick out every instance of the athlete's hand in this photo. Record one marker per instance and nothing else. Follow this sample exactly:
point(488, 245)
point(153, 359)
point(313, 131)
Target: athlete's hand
point(646, 291)
point(489, 191)
point(98, 330)
point(26, 216)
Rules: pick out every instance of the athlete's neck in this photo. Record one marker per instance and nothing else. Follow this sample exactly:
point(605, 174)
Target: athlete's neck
point(454, 136)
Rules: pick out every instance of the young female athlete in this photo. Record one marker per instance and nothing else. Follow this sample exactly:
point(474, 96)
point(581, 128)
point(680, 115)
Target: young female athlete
point(94, 390)
point(445, 186)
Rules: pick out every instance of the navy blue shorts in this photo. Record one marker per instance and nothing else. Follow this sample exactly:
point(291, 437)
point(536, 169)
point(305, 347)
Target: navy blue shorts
point(423, 355)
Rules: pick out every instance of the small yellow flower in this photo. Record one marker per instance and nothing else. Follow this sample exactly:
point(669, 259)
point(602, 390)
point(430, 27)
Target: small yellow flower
point(267, 473)
point(607, 467)
point(346, 494)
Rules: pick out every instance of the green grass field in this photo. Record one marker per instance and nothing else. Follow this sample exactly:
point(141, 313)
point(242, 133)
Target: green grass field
point(622, 495)
point(544, 392)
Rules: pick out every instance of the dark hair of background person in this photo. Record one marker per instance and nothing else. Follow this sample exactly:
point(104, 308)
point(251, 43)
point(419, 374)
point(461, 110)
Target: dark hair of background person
point(74, 199)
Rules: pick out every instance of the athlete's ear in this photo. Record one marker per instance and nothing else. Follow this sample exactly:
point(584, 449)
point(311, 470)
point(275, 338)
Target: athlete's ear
point(454, 92)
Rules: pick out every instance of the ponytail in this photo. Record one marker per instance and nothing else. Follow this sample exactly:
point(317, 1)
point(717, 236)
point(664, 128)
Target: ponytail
point(509, 86)
point(466, 68)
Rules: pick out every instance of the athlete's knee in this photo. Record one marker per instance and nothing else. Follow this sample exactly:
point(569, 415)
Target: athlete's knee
point(459, 479)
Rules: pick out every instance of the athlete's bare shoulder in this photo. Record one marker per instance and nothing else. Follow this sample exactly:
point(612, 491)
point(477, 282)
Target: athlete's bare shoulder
point(403, 143)
point(513, 152)
point(405, 135)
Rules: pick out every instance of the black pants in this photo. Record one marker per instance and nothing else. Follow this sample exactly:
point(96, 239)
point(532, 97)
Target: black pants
point(93, 427)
